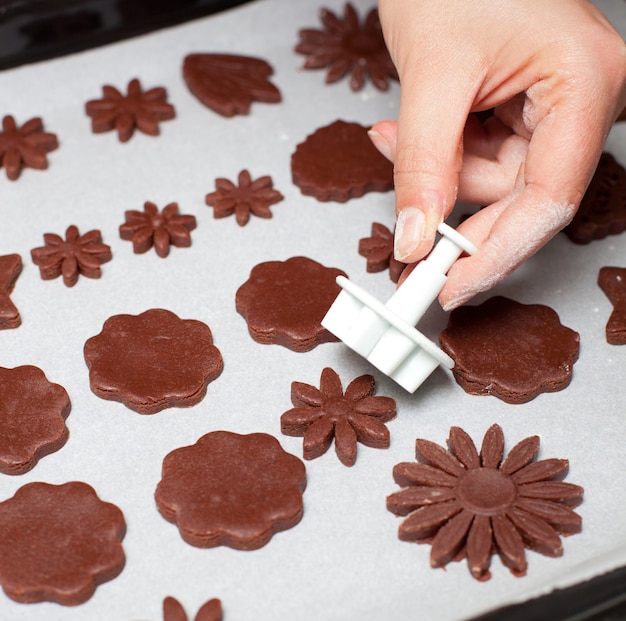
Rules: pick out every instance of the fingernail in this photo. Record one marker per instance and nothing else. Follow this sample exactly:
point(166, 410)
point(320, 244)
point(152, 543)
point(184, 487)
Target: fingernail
point(380, 142)
point(409, 232)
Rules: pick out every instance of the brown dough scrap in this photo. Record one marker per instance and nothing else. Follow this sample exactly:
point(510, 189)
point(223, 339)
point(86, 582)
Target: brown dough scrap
point(10, 269)
point(152, 361)
point(510, 350)
point(32, 418)
point(209, 611)
point(284, 302)
point(59, 542)
point(228, 83)
point(339, 162)
point(378, 250)
point(612, 280)
point(230, 489)
point(471, 504)
point(602, 211)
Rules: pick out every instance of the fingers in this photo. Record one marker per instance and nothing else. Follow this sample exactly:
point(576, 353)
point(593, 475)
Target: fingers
point(562, 155)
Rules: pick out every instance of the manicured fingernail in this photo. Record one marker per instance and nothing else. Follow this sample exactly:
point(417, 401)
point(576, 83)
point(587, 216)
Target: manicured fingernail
point(380, 142)
point(409, 232)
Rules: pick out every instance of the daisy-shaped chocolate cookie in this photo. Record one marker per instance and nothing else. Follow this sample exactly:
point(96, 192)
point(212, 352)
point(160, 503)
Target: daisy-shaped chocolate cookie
point(139, 109)
point(472, 505)
point(350, 417)
point(378, 250)
point(76, 254)
point(346, 47)
point(247, 198)
point(24, 146)
point(160, 229)
point(209, 611)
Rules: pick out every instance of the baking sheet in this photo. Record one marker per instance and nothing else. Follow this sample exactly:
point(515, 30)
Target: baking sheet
point(343, 561)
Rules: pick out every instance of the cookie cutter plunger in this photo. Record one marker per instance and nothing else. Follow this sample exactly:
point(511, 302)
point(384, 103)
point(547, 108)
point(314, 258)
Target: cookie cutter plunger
point(385, 334)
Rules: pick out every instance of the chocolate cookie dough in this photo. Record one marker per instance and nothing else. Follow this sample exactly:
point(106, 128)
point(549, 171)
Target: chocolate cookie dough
point(284, 302)
point(510, 350)
point(339, 162)
point(230, 489)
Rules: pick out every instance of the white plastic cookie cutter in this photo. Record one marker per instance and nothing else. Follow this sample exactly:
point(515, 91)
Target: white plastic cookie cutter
point(385, 333)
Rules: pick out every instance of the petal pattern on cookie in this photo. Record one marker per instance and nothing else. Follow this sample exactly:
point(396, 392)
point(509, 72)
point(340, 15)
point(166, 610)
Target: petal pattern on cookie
point(487, 506)
point(139, 109)
point(160, 229)
point(346, 47)
point(228, 83)
point(354, 416)
point(378, 250)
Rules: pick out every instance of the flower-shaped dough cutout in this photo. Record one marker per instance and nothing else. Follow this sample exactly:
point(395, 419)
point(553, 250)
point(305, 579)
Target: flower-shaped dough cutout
point(229, 83)
point(152, 361)
point(25, 146)
point(247, 198)
point(378, 250)
point(76, 254)
point(354, 416)
point(472, 505)
point(59, 542)
point(160, 229)
point(612, 280)
point(209, 611)
point(32, 418)
point(510, 350)
point(347, 47)
point(230, 489)
point(339, 162)
point(142, 110)
point(602, 211)
point(10, 269)
point(284, 302)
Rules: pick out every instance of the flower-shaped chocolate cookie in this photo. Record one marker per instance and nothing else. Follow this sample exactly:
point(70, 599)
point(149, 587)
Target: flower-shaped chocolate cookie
point(230, 489)
point(32, 418)
point(284, 302)
point(209, 611)
point(10, 269)
point(24, 146)
point(246, 198)
point(229, 83)
point(350, 417)
point(138, 109)
point(378, 250)
point(150, 227)
point(69, 257)
point(339, 162)
point(344, 46)
point(472, 505)
point(58, 543)
point(602, 211)
point(152, 361)
point(510, 350)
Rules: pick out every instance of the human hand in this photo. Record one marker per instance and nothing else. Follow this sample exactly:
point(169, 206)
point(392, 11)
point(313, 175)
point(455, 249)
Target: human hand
point(555, 73)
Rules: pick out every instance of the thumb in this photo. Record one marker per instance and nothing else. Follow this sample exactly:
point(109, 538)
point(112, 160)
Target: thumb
point(428, 156)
